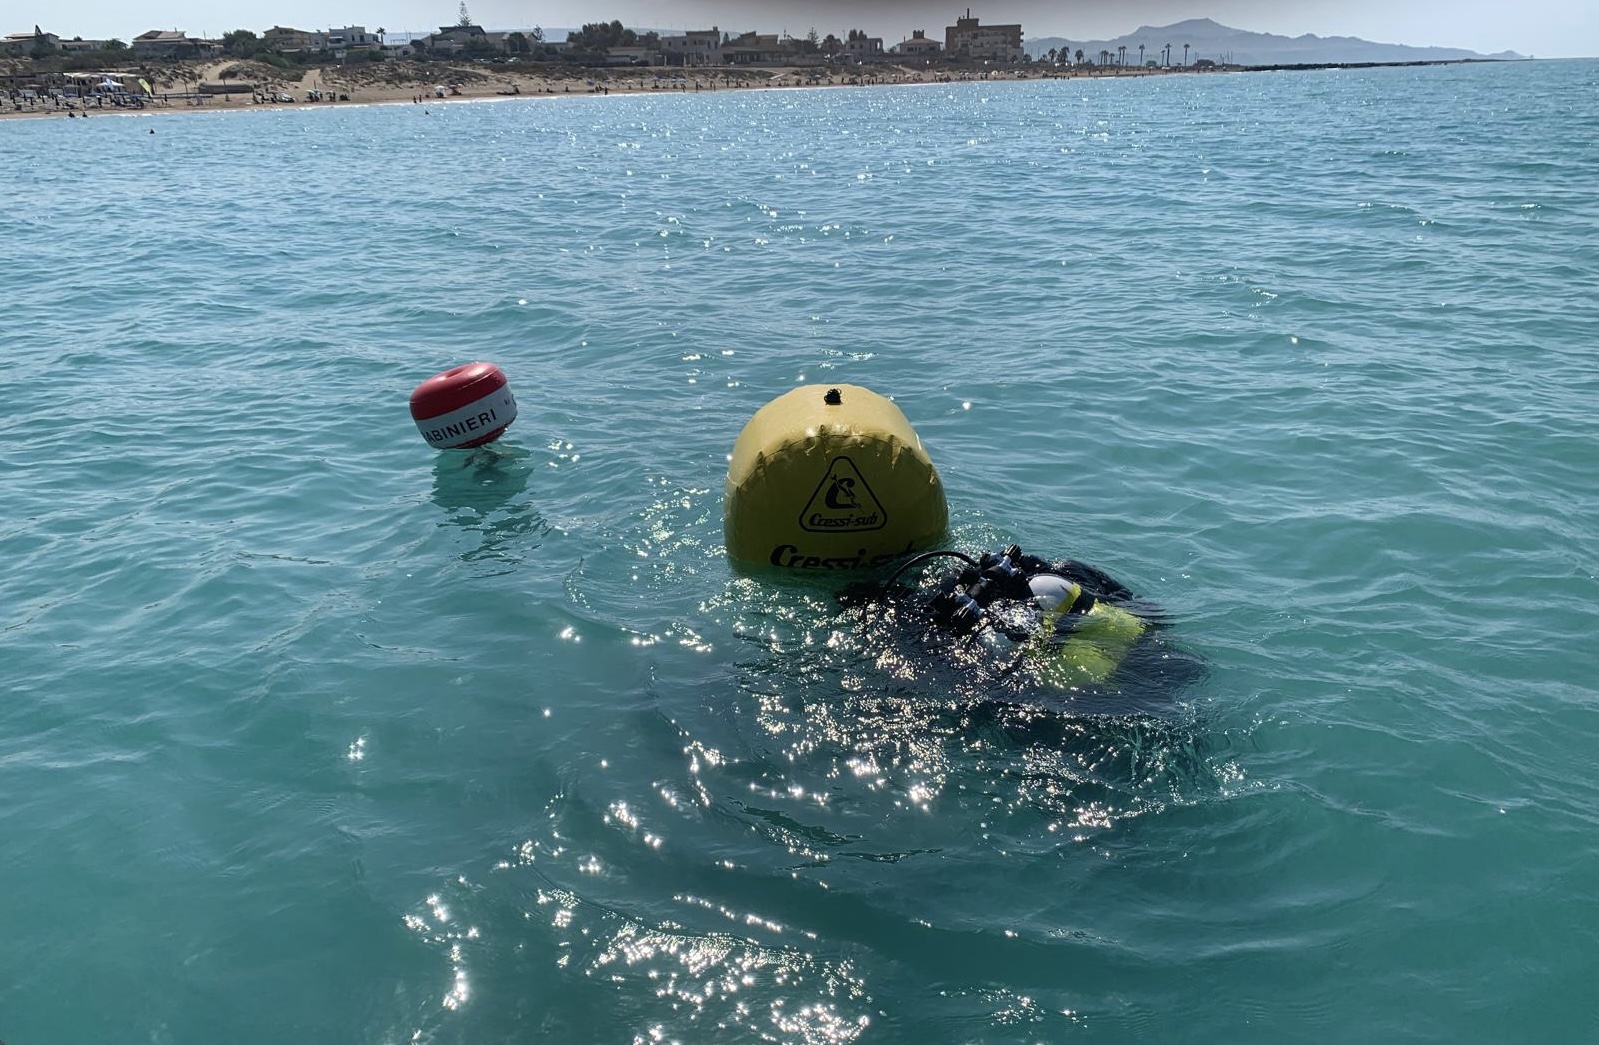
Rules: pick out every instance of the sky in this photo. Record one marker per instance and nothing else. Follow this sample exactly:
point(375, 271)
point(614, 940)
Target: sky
point(1542, 28)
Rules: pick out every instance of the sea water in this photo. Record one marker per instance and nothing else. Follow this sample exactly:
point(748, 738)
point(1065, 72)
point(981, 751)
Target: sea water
point(312, 733)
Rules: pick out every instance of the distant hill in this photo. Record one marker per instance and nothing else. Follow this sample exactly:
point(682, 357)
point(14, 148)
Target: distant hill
point(1220, 43)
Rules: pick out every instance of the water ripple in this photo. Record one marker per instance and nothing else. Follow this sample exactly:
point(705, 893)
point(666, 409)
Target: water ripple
point(493, 745)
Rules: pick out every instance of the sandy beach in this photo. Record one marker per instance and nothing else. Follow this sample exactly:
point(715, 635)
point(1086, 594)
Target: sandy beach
point(249, 85)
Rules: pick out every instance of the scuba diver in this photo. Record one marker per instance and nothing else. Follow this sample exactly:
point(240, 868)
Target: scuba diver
point(829, 479)
point(1021, 628)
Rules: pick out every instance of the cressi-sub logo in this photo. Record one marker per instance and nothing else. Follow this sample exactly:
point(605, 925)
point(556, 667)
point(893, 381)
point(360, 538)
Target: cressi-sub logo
point(843, 503)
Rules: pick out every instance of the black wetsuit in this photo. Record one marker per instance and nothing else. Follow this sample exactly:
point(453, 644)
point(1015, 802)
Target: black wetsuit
point(1012, 626)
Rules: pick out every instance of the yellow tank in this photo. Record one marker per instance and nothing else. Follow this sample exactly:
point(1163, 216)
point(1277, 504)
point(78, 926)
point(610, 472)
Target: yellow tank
point(1095, 648)
point(830, 477)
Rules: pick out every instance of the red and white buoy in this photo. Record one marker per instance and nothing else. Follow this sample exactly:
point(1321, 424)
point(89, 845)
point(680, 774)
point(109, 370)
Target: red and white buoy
point(465, 406)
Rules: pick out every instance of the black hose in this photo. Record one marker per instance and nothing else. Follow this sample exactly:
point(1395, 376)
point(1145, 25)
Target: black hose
point(917, 560)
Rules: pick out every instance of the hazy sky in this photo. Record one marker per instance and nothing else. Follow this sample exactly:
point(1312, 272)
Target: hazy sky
point(1544, 28)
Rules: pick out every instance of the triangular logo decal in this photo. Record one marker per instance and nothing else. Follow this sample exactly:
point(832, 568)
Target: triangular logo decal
point(843, 503)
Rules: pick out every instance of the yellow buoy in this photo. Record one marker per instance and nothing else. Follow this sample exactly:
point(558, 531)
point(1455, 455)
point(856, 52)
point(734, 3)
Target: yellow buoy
point(830, 478)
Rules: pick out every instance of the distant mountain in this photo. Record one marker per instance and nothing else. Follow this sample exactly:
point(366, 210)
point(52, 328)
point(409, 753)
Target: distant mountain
point(1222, 44)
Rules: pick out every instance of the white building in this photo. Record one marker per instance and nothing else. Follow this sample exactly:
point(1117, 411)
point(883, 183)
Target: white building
point(918, 46)
point(351, 37)
point(862, 48)
point(695, 48)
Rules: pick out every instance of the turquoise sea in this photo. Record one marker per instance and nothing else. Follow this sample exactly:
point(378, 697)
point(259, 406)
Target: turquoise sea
point(310, 733)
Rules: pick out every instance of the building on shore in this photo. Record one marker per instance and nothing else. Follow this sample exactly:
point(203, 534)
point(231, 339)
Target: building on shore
point(967, 38)
point(859, 48)
point(463, 39)
point(351, 38)
point(24, 45)
point(285, 40)
point(755, 49)
point(696, 48)
point(918, 46)
point(163, 43)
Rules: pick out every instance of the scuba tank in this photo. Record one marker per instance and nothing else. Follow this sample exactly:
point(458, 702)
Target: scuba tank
point(1070, 635)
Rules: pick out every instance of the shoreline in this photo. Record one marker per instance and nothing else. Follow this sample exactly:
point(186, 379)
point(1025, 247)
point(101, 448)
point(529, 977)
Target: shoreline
point(450, 84)
point(338, 87)
point(342, 87)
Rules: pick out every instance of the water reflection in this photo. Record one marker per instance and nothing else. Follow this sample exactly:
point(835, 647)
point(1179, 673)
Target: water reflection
point(482, 490)
point(865, 707)
point(797, 828)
